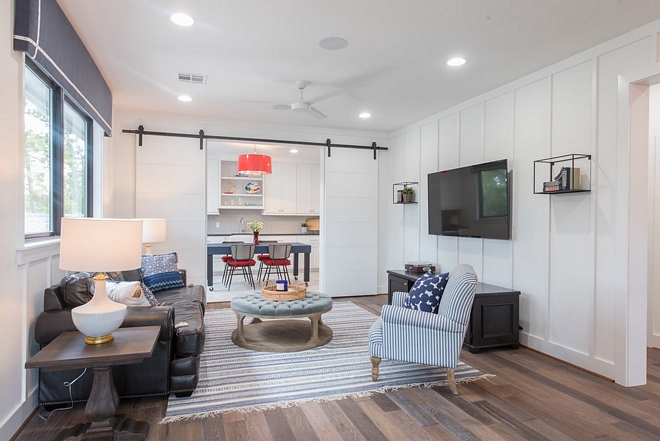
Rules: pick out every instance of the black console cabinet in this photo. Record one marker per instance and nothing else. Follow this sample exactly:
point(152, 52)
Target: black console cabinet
point(494, 317)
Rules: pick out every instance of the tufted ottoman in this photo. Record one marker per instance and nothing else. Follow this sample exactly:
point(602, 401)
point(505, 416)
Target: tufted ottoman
point(286, 333)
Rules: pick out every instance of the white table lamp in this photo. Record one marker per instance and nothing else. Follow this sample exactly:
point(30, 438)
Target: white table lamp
point(153, 230)
point(97, 245)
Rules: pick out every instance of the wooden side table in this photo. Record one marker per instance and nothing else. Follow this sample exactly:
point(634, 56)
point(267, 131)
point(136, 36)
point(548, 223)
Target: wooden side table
point(69, 351)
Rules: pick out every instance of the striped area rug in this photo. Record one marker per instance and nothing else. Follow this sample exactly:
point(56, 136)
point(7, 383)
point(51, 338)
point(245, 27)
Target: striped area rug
point(237, 379)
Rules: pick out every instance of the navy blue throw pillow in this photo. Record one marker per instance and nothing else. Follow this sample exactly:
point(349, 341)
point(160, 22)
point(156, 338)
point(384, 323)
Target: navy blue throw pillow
point(160, 272)
point(426, 293)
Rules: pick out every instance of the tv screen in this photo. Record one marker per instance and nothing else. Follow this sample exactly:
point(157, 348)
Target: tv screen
point(470, 201)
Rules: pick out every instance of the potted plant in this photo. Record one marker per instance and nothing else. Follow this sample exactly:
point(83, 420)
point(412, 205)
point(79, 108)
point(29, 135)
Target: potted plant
point(303, 228)
point(408, 194)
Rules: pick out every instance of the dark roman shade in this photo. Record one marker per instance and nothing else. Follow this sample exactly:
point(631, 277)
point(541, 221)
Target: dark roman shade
point(43, 32)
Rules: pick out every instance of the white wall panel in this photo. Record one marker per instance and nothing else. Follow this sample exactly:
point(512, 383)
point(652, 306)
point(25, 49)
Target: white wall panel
point(498, 144)
point(351, 174)
point(396, 173)
point(384, 211)
point(571, 292)
point(653, 316)
point(470, 251)
point(172, 172)
point(530, 211)
point(472, 135)
point(610, 264)
point(411, 212)
point(448, 158)
point(428, 244)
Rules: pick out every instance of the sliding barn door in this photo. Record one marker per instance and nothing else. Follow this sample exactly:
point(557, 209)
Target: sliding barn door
point(171, 183)
point(350, 229)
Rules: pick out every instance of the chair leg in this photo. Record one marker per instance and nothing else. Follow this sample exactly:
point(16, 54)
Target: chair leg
point(231, 276)
point(375, 361)
point(452, 381)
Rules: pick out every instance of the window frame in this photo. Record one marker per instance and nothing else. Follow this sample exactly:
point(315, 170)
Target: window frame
point(58, 100)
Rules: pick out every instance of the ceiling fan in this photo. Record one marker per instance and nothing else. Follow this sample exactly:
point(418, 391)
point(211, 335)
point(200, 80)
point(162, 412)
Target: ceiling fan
point(305, 105)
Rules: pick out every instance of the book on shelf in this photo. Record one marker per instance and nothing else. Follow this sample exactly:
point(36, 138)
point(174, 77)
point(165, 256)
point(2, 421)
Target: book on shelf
point(569, 178)
point(550, 186)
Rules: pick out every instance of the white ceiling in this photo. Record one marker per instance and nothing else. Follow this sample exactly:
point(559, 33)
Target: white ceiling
point(394, 65)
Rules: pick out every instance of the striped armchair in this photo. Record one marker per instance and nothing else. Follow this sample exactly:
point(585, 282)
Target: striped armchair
point(421, 337)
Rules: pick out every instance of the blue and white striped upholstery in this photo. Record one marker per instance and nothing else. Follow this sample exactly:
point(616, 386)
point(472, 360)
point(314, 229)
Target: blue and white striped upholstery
point(422, 337)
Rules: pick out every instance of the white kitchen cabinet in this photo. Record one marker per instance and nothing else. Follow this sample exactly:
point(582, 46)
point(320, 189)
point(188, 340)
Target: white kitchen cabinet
point(309, 189)
point(281, 190)
point(212, 186)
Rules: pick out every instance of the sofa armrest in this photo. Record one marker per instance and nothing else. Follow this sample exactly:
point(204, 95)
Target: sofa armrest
point(162, 316)
point(50, 324)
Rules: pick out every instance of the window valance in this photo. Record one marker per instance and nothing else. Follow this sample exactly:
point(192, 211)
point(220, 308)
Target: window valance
point(43, 32)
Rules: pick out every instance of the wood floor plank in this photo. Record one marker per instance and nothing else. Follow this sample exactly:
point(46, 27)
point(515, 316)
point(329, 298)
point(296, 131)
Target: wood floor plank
point(278, 425)
point(388, 427)
point(365, 425)
point(257, 427)
point(322, 424)
point(412, 409)
point(384, 402)
point(414, 431)
point(299, 424)
point(343, 424)
point(236, 431)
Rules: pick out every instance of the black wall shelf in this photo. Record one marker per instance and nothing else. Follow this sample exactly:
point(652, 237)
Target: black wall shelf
point(397, 193)
point(558, 170)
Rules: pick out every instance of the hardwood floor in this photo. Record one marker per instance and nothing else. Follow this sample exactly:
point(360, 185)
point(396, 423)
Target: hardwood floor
point(532, 397)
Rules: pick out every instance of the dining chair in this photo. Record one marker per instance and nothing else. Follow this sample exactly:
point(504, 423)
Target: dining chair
point(241, 257)
point(278, 259)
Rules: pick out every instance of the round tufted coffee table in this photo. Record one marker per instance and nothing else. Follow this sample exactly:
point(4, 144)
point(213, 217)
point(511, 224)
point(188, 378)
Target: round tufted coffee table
point(283, 334)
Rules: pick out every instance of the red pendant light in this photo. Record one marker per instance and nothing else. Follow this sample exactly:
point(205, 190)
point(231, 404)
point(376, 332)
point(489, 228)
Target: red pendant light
point(254, 164)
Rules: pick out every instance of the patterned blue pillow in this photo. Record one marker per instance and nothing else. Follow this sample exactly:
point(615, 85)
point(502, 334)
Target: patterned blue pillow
point(149, 295)
point(426, 293)
point(160, 272)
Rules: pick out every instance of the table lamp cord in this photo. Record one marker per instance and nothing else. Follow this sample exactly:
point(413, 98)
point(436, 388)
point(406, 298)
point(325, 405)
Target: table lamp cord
point(66, 384)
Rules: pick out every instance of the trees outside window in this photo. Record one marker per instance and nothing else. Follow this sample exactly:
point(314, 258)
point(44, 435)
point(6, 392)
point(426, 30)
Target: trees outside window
point(58, 159)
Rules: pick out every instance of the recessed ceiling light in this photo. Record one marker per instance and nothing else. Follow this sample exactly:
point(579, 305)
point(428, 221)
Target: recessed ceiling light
point(185, 98)
point(365, 115)
point(293, 151)
point(281, 107)
point(333, 43)
point(456, 62)
point(182, 19)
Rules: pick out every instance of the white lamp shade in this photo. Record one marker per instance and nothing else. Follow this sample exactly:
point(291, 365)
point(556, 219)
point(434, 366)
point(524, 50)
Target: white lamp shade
point(153, 230)
point(94, 245)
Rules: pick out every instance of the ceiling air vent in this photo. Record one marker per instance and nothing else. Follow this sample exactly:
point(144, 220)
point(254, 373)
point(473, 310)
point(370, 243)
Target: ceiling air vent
point(192, 78)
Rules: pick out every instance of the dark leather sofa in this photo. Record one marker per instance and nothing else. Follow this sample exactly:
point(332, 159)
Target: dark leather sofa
point(174, 364)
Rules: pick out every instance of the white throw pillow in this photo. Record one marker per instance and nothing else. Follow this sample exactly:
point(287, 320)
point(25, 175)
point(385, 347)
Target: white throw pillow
point(128, 293)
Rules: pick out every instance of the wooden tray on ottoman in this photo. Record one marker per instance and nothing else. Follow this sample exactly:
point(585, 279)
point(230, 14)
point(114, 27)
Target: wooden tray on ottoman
point(293, 293)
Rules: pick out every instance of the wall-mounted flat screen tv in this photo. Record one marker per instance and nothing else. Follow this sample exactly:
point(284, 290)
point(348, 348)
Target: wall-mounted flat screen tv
point(470, 201)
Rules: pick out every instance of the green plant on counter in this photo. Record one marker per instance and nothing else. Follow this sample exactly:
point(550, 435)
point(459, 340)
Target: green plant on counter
point(408, 190)
point(303, 224)
point(256, 226)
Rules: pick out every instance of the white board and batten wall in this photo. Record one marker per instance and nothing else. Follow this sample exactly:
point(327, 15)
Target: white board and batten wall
point(567, 255)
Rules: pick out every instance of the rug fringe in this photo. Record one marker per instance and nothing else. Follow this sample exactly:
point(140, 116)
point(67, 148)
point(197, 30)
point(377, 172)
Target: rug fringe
point(291, 403)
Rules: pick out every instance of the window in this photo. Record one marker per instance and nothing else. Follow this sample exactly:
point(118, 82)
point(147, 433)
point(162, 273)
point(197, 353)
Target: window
point(58, 158)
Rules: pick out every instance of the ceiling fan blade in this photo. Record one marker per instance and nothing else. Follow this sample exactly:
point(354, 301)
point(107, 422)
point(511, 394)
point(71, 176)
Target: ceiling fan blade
point(325, 96)
point(315, 113)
